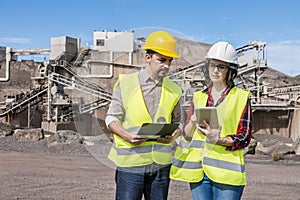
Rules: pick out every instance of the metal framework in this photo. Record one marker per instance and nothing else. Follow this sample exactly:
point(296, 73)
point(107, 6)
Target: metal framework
point(62, 108)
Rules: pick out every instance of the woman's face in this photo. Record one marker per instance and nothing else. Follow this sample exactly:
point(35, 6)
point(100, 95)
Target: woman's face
point(158, 65)
point(217, 71)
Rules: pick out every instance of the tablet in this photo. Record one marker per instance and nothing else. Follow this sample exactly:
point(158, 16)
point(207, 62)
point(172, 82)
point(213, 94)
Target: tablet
point(155, 130)
point(208, 114)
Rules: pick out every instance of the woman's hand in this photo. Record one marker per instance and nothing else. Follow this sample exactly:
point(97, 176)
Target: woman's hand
point(212, 134)
point(190, 126)
point(193, 119)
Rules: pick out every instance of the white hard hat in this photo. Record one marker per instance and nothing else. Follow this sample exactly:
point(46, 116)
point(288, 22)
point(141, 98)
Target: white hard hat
point(225, 52)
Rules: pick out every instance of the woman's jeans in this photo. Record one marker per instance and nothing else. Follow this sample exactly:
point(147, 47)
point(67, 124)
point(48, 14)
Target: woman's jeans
point(152, 181)
point(209, 190)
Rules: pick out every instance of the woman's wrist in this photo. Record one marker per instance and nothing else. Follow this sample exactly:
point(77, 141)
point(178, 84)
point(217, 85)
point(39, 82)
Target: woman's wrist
point(193, 120)
point(227, 141)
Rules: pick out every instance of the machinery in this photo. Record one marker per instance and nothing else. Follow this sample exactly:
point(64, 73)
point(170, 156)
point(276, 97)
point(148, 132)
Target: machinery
point(62, 106)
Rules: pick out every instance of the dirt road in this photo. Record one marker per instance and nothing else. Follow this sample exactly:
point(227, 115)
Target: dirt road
point(70, 172)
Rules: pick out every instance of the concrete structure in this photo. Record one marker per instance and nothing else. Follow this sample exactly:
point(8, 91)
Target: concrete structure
point(2, 52)
point(295, 125)
point(64, 47)
point(113, 41)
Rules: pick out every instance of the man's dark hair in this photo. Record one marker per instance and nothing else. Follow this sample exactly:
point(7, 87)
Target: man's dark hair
point(150, 52)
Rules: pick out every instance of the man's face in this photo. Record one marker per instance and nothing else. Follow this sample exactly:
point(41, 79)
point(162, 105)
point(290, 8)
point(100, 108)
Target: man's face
point(158, 65)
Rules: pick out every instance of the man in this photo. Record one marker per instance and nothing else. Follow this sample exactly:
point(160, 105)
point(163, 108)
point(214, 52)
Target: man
point(147, 96)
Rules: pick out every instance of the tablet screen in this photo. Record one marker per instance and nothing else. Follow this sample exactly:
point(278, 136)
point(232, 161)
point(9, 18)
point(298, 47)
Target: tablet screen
point(208, 114)
point(154, 130)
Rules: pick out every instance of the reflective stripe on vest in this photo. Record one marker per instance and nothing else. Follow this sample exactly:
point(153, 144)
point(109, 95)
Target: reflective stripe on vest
point(123, 153)
point(143, 149)
point(223, 164)
point(186, 164)
point(193, 144)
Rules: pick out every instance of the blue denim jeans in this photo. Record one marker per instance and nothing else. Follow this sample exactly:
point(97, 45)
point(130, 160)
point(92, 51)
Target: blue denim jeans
point(152, 181)
point(209, 190)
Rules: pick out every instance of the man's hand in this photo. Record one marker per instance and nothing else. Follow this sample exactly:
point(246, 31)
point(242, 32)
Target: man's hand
point(135, 139)
point(169, 138)
point(132, 138)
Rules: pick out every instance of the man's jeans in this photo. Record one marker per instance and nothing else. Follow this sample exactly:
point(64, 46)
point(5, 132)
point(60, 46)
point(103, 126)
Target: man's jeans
point(207, 189)
point(152, 181)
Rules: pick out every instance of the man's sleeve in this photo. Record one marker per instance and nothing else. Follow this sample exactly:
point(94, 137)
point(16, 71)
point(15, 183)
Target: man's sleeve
point(115, 111)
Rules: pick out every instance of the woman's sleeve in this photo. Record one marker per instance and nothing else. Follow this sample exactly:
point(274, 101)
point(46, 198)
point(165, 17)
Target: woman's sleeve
point(244, 132)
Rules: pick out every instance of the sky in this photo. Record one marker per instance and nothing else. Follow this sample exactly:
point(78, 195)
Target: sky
point(31, 24)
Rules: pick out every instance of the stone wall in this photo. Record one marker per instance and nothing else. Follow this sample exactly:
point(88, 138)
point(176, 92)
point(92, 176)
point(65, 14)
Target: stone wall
point(276, 122)
point(20, 77)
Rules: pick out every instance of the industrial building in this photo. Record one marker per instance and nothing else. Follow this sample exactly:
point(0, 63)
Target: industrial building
point(72, 90)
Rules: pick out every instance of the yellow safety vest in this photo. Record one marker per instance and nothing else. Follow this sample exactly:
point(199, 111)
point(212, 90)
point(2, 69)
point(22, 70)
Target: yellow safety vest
point(193, 159)
point(123, 153)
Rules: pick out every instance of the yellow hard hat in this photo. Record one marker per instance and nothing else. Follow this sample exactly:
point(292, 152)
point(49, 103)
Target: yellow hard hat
point(163, 43)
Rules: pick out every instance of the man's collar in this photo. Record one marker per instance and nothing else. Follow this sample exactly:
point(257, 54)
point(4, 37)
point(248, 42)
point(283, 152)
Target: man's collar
point(146, 77)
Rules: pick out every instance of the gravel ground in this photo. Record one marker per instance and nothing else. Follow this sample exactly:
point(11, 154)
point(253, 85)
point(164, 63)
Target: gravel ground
point(32, 170)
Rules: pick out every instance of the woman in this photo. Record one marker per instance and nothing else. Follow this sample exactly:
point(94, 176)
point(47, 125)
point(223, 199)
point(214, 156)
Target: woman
point(212, 160)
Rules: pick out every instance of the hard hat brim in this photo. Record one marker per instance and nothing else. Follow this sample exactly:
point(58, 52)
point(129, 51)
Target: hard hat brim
point(164, 52)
